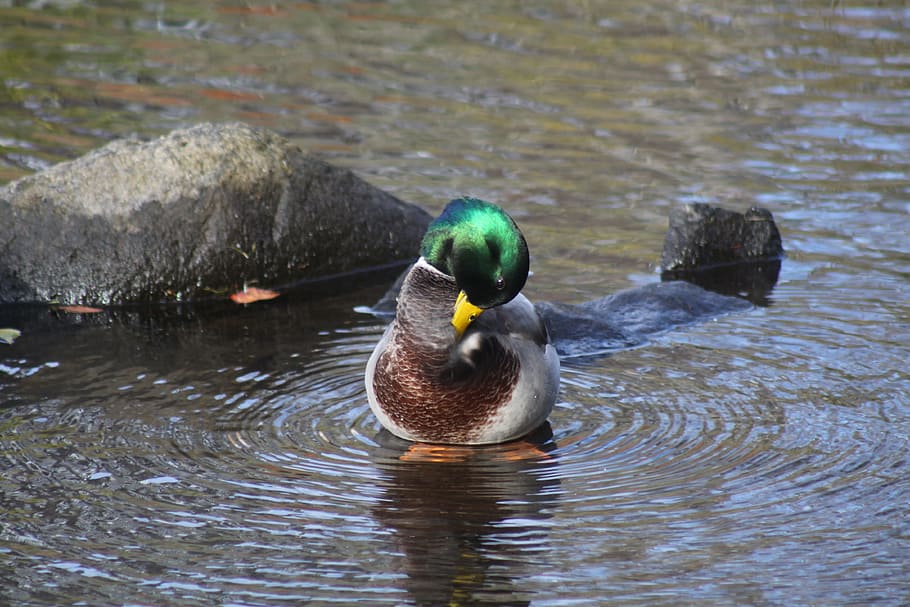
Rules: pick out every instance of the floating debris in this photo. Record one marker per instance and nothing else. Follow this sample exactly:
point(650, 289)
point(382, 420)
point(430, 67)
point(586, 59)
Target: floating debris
point(8, 336)
point(253, 294)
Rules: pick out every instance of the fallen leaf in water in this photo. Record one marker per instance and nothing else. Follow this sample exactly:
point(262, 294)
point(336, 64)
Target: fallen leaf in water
point(223, 95)
point(8, 336)
point(253, 294)
point(78, 309)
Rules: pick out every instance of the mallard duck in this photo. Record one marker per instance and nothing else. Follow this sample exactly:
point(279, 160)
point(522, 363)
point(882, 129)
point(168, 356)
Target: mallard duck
point(467, 359)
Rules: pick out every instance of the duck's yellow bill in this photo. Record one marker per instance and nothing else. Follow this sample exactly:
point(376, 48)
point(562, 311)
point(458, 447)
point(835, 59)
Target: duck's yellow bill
point(465, 313)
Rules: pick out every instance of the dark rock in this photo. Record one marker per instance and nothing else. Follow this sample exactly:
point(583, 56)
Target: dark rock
point(723, 251)
point(197, 212)
point(702, 236)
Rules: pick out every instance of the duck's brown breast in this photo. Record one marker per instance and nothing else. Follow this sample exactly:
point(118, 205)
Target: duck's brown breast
point(438, 399)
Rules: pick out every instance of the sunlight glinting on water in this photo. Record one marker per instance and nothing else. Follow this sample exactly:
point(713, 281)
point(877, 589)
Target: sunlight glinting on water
point(230, 457)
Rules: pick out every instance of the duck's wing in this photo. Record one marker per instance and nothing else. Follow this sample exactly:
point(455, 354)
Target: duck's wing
point(515, 319)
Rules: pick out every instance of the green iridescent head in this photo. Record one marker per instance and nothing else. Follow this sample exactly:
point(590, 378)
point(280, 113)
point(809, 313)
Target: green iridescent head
point(479, 245)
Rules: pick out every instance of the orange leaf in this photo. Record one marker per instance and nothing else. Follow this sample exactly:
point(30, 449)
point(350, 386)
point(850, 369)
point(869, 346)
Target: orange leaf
point(225, 95)
point(78, 309)
point(252, 294)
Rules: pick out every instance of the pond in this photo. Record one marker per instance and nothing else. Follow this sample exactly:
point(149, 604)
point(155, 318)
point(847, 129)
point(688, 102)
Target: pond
point(226, 455)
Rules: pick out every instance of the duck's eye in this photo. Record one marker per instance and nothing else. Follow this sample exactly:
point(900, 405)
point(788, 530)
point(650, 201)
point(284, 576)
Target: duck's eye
point(500, 283)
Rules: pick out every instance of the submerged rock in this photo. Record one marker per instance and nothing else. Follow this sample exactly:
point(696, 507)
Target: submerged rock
point(198, 212)
point(628, 318)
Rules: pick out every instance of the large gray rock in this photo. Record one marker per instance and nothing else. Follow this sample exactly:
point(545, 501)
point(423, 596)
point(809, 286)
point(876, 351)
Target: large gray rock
point(198, 212)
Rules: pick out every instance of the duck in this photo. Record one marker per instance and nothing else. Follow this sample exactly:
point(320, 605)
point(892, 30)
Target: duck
point(467, 359)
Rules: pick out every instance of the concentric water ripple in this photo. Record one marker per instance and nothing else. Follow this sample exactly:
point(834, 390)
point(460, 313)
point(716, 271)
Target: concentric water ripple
point(719, 488)
point(272, 483)
point(228, 456)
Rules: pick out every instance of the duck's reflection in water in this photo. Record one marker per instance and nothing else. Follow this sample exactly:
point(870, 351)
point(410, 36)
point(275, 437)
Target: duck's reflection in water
point(470, 522)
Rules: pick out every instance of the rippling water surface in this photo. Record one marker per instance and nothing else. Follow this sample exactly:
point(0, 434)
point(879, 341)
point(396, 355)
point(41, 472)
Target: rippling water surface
point(226, 455)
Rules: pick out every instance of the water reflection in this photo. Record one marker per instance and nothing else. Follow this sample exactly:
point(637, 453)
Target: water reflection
point(469, 522)
point(757, 459)
point(753, 281)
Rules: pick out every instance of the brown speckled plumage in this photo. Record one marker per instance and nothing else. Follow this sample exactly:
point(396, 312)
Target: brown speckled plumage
point(423, 385)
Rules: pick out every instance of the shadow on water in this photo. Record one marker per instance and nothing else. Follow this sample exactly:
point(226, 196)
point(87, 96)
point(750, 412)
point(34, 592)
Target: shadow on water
point(753, 281)
point(229, 452)
point(197, 330)
point(220, 455)
point(243, 428)
point(239, 421)
point(470, 522)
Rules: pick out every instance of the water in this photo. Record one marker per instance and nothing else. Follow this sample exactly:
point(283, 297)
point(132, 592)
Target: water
point(226, 455)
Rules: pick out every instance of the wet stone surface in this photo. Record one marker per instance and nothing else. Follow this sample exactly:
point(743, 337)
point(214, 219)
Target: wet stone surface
point(199, 213)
